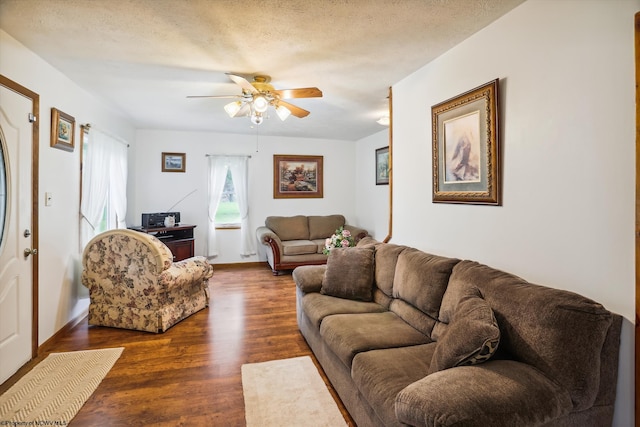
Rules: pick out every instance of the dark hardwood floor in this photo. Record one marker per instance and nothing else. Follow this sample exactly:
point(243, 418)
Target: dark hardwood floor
point(190, 375)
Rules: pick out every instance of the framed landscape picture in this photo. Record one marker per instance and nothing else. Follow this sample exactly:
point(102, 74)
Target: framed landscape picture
point(466, 161)
point(297, 176)
point(62, 130)
point(173, 162)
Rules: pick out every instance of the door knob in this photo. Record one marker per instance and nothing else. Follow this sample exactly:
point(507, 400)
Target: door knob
point(30, 251)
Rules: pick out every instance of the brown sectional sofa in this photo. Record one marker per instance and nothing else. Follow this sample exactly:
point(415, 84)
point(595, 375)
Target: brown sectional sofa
point(418, 346)
point(298, 240)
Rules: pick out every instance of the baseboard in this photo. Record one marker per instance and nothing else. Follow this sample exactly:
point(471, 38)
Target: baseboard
point(62, 331)
point(254, 264)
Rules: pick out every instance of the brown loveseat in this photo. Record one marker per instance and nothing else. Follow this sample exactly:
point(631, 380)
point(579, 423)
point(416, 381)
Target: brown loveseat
point(410, 338)
point(298, 240)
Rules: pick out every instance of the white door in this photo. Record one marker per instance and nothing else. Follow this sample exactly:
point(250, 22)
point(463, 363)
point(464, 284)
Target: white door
point(16, 274)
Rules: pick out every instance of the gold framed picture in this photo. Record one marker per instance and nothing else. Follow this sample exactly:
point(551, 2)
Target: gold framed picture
point(297, 176)
point(466, 160)
point(62, 130)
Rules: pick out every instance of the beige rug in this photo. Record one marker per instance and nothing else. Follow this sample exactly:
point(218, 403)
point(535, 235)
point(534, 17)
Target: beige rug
point(289, 393)
point(53, 392)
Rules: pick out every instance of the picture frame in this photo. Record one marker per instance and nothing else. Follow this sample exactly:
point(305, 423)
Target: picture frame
point(63, 127)
point(382, 166)
point(297, 176)
point(174, 162)
point(466, 148)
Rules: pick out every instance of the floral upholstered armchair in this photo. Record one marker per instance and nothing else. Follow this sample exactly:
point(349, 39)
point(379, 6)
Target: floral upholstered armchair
point(134, 283)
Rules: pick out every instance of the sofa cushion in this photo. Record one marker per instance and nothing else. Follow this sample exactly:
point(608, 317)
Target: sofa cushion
point(471, 338)
point(380, 374)
point(386, 259)
point(321, 227)
point(499, 393)
point(299, 247)
point(289, 227)
point(349, 334)
point(349, 274)
point(558, 332)
point(317, 306)
point(319, 245)
point(421, 279)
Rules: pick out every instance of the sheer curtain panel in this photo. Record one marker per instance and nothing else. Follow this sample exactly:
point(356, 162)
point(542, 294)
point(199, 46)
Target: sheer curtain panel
point(239, 167)
point(104, 183)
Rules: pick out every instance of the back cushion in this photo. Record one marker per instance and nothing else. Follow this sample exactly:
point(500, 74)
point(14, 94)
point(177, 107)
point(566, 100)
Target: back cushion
point(321, 227)
point(421, 279)
point(559, 332)
point(385, 268)
point(289, 227)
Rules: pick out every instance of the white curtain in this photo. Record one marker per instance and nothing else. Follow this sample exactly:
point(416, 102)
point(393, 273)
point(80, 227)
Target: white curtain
point(239, 167)
point(104, 179)
point(240, 174)
point(118, 187)
point(217, 176)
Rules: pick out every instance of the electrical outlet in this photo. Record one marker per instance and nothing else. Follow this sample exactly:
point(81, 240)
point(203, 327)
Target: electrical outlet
point(48, 199)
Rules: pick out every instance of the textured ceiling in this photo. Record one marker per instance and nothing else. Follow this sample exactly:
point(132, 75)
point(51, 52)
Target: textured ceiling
point(145, 56)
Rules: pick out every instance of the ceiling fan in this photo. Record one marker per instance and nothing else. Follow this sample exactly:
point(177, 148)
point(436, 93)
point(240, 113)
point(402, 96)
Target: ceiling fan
point(259, 94)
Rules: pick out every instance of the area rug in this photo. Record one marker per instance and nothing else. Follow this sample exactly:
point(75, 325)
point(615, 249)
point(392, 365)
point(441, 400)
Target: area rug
point(288, 392)
point(53, 392)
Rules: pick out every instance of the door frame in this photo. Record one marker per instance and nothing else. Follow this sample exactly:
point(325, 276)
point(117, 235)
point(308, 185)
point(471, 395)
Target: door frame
point(637, 227)
point(35, 138)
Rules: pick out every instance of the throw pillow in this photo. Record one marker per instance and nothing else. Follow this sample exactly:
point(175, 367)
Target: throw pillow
point(471, 338)
point(349, 274)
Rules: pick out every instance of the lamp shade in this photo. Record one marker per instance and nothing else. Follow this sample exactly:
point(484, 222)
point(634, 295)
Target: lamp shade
point(260, 103)
point(283, 112)
point(232, 108)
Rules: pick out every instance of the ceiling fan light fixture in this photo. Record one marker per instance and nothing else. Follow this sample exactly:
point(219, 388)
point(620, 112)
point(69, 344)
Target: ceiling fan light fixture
point(232, 108)
point(257, 118)
point(283, 112)
point(260, 104)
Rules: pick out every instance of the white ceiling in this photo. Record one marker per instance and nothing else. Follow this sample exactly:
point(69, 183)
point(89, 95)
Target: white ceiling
point(145, 56)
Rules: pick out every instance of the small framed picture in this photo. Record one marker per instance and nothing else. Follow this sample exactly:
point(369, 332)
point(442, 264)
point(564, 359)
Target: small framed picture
point(173, 162)
point(382, 166)
point(62, 130)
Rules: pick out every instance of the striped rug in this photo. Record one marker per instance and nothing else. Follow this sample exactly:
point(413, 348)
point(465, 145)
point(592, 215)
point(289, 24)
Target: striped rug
point(53, 392)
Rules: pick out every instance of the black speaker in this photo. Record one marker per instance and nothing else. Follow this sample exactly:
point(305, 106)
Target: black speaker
point(156, 220)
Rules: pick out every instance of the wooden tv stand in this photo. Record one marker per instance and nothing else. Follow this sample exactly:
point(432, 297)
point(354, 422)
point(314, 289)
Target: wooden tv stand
point(179, 239)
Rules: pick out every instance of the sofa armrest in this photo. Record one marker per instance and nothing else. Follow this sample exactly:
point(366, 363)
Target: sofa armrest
point(496, 393)
point(185, 272)
point(357, 232)
point(266, 236)
point(309, 277)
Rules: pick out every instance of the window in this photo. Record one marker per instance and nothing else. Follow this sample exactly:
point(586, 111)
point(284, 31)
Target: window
point(228, 212)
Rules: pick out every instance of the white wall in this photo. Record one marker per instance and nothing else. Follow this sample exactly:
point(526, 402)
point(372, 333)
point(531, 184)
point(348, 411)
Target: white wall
point(157, 191)
point(567, 127)
point(60, 296)
point(372, 200)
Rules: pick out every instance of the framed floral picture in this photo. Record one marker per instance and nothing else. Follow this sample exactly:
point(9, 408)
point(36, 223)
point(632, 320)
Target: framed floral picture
point(466, 160)
point(62, 130)
point(296, 176)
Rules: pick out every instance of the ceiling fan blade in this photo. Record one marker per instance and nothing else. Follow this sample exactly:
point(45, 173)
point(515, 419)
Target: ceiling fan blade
point(296, 111)
point(214, 96)
point(243, 83)
point(244, 111)
point(305, 92)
